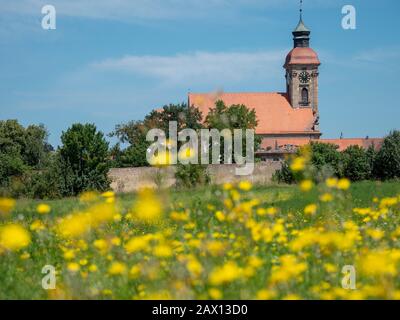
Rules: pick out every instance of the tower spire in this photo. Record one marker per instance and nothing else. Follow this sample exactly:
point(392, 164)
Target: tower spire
point(301, 34)
point(301, 9)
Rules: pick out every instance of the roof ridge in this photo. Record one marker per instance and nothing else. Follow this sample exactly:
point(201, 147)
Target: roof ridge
point(236, 93)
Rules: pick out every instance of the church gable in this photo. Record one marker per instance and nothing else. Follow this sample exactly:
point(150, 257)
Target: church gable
point(274, 112)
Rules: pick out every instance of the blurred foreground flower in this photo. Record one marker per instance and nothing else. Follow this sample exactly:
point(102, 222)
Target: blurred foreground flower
point(43, 208)
point(14, 237)
point(148, 207)
point(6, 205)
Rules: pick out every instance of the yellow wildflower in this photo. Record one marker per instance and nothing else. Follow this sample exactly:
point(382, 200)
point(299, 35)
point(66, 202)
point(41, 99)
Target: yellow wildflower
point(298, 164)
point(117, 268)
point(148, 207)
point(310, 209)
point(14, 237)
point(73, 267)
point(306, 185)
point(225, 274)
point(43, 208)
point(6, 205)
point(245, 185)
point(326, 197)
point(331, 182)
point(215, 294)
point(343, 184)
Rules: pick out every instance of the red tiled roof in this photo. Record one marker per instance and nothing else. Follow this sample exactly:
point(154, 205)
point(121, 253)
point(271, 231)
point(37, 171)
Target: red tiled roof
point(343, 144)
point(273, 110)
point(362, 142)
point(302, 56)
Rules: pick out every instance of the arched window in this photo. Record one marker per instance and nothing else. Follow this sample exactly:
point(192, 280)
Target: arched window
point(304, 96)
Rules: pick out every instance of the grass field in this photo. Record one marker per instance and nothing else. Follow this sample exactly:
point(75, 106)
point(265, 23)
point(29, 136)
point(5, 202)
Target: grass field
point(228, 242)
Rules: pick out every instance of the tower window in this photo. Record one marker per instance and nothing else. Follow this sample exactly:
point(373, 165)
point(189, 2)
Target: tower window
point(304, 96)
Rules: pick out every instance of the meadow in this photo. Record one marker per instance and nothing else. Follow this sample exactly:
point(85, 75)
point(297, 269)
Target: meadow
point(220, 242)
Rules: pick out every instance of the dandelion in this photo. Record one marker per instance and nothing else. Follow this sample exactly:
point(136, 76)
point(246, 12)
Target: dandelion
point(331, 182)
point(215, 294)
point(137, 244)
point(194, 267)
point(14, 237)
point(43, 208)
point(298, 164)
point(245, 185)
point(227, 186)
point(187, 154)
point(108, 194)
point(163, 251)
point(93, 268)
point(148, 207)
point(73, 267)
point(271, 211)
point(69, 255)
point(6, 205)
point(88, 196)
point(117, 268)
point(311, 209)
point(265, 294)
point(225, 274)
point(220, 216)
point(161, 159)
point(326, 197)
point(306, 185)
point(343, 184)
point(37, 225)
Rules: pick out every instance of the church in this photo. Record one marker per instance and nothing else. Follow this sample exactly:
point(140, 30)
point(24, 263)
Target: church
point(289, 119)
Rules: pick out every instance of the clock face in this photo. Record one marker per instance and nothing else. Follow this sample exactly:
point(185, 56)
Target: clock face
point(304, 77)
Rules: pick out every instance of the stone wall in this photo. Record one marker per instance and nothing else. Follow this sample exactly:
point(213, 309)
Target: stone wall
point(132, 179)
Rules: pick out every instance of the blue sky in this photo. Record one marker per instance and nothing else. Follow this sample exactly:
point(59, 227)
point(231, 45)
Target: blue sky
point(109, 62)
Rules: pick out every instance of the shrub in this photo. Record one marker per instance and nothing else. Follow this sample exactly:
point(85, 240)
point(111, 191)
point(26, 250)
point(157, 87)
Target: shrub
point(356, 165)
point(326, 159)
point(387, 161)
point(284, 175)
point(191, 175)
point(83, 160)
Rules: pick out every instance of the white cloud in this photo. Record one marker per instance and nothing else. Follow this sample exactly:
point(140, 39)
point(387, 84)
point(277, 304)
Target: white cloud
point(379, 55)
point(201, 67)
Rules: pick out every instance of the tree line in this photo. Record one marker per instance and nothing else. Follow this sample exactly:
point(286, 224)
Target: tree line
point(31, 167)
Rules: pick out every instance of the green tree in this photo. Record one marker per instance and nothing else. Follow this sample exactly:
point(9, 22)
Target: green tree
point(134, 133)
point(387, 161)
point(83, 160)
point(233, 117)
point(22, 150)
point(356, 165)
point(326, 159)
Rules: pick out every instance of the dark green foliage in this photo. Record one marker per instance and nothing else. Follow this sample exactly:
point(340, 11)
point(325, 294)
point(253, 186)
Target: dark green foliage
point(233, 117)
point(83, 160)
point(134, 132)
point(356, 165)
point(326, 159)
point(284, 175)
point(191, 175)
point(21, 150)
point(387, 161)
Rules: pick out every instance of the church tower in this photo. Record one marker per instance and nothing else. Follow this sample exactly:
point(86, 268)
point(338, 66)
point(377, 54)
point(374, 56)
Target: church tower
point(302, 72)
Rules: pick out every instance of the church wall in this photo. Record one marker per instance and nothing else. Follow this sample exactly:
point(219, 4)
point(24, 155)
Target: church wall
point(133, 179)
